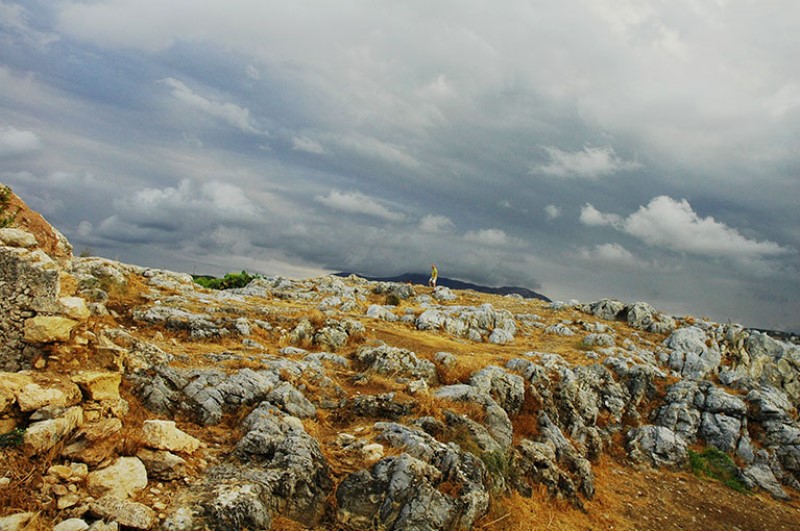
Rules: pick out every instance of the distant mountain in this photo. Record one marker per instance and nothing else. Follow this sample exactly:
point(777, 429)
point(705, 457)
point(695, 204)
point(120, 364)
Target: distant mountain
point(418, 278)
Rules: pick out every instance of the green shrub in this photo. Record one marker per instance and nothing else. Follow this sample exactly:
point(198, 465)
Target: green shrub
point(716, 464)
point(231, 280)
point(5, 199)
point(12, 438)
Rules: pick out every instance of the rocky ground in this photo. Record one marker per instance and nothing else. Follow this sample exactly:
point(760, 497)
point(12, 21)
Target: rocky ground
point(133, 398)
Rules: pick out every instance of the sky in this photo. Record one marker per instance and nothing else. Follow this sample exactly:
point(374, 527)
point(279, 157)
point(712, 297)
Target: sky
point(638, 150)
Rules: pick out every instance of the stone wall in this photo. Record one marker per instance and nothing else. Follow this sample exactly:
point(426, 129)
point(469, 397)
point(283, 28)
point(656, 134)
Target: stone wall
point(29, 286)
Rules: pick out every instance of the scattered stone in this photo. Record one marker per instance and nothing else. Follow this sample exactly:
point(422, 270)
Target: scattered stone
point(48, 329)
point(164, 435)
point(125, 478)
point(123, 512)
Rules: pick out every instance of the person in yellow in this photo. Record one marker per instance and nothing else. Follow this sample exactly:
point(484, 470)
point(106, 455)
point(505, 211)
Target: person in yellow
point(434, 276)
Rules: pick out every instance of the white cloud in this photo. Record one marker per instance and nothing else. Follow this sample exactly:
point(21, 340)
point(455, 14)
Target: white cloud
point(188, 205)
point(612, 254)
point(15, 141)
point(594, 218)
point(552, 212)
point(675, 226)
point(490, 237)
point(234, 115)
point(588, 163)
point(308, 145)
point(358, 203)
point(435, 224)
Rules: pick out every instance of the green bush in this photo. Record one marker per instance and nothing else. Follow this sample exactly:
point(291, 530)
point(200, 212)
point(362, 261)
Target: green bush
point(231, 280)
point(12, 438)
point(5, 198)
point(716, 464)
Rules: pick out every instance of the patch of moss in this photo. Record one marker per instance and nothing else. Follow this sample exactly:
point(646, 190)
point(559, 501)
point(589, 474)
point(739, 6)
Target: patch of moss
point(717, 465)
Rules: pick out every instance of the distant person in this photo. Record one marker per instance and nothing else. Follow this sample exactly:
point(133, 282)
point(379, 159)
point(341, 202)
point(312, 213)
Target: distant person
point(434, 276)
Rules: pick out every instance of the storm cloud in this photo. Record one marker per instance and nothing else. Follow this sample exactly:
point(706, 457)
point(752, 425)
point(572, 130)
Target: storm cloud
point(601, 148)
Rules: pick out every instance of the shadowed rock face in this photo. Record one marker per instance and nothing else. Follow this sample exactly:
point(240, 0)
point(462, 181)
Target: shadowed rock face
point(235, 408)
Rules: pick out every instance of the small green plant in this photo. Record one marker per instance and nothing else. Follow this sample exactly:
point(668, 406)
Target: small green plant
point(12, 438)
point(5, 199)
point(231, 280)
point(716, 464)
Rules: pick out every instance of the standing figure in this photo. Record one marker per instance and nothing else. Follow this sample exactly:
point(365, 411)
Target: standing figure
point(434, 276)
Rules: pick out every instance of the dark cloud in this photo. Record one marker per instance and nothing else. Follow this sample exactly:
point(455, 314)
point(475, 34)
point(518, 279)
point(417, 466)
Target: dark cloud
point(639, 150)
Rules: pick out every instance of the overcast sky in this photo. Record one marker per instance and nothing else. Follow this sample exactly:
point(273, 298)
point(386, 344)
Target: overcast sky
point(630, 149)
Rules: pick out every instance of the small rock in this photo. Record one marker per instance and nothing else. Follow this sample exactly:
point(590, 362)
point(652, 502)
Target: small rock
point(163, 435)
point(73, 524)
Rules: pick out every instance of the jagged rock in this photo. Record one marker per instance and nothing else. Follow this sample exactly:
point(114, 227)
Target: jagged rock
point(500, 336)
point(286, 464)
point(384, 313)
point(99, 385)
point(396, 493)
point(657, 445)
point(292, 401)
point(536, 462)
point(164, 435)
point(567, 454)
point(125, 478)
point(199, 325)
point(401, 290)
point(442, 293)
point(238, 506)
point(470, 434)
point(94, 441)
point(203, 395)
point(123, 512)
point(48, 329)
point(560, 329)
point(761, 475)
point(507, 389)
point(691, 356)
point(496, 419)
point(162, 465)
point(448, 463)
point(445, 359)
point(331, 337)
point(607, 309)
point(700, 409)
point(396, 362)
point(598, 340)
point(379, 406)
point(42, 436)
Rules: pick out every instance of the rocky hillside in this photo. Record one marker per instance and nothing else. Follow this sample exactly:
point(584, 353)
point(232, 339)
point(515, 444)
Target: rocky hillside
point(133, 398)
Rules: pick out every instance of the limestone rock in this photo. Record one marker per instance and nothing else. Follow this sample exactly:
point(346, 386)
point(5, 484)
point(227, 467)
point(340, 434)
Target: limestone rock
point(13, 237)
point(11, 384)
point(657, 445)
point(162, 465)
point(74, 308)
point(99, 385)
point(164, 435)
point(41, 436)
point(33, 396)
point(48, 329)
point(71, 524)
point(123, 512)
point(16, 522)
point(125, 478)
point(397, 362)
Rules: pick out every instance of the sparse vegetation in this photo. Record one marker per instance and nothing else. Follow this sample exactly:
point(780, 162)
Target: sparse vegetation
point(231, 280)
point(6, 219)
point(716, 464)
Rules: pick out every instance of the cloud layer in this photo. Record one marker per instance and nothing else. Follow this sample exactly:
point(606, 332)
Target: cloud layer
point(642, 150)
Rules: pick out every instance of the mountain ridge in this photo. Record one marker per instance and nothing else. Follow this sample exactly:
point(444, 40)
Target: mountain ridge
point(419, 278)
